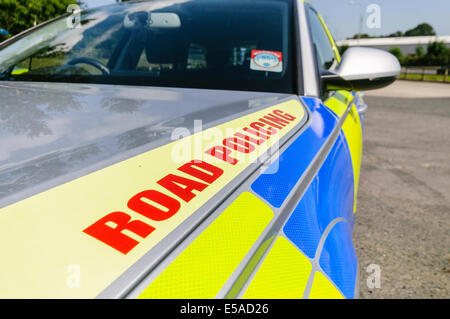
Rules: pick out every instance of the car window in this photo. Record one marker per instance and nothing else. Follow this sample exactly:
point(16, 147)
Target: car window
point(324, 49)
point(219, 44)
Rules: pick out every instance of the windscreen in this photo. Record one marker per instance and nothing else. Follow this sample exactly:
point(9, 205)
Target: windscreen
point(214, 44)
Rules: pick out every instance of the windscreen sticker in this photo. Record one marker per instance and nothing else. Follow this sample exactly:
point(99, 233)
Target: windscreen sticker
point(271, 61)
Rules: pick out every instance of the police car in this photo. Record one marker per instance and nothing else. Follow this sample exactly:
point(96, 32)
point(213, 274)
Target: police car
point(182, 149)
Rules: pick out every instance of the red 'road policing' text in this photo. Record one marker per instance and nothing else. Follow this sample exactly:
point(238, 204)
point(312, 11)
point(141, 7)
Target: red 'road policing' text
point(182, 185)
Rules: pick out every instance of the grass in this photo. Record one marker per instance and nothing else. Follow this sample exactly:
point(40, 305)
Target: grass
point(428, 77)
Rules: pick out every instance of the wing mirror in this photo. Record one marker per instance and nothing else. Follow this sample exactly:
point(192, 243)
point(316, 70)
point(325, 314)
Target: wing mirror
point(362, 69)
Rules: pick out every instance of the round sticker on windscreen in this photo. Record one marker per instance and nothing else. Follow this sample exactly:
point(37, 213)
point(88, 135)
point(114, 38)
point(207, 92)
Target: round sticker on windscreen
point(263, 60)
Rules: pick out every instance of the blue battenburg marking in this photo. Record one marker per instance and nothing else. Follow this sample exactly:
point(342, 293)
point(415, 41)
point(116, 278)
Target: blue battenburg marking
point(303, 227)
point(329, 196)
point(293, 162)
point(338, 258)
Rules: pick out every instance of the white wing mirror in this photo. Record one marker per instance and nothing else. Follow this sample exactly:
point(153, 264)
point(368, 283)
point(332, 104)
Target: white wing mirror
point(363, 69)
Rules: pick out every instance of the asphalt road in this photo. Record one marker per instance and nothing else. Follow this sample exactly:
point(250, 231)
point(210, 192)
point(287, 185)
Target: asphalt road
point(403, 219)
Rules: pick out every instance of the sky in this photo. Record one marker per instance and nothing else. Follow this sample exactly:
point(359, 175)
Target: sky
point(343, 17)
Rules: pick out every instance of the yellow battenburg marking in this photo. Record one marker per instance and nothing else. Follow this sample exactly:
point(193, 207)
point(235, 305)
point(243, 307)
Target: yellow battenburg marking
point(352, 131)
point(20, 71)
point(283, 274)
point(203, 268)
point(322, 288)
point(46, 254)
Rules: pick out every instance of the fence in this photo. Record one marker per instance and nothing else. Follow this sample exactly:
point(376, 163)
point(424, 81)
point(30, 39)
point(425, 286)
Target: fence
point(426, 73)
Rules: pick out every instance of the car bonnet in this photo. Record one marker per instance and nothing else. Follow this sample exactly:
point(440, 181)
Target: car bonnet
point(77, 159)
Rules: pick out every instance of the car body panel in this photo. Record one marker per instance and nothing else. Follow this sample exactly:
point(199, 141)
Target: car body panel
point(52, 133)
point(204, 266)
point(352, 129)
point(324, 186)
point(92, 201)
point(290, 166)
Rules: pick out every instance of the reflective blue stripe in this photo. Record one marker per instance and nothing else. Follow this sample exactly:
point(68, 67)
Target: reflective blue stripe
point(329, 196)
point(293, 162)
point(338, 258)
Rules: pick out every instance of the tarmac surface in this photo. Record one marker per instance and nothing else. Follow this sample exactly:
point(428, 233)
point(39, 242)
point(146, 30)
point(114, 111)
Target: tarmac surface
point(403, 219)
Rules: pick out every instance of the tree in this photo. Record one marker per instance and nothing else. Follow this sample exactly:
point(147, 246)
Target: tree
point(362, 36)
point(395, 34)
point(420, 52)
point(18, 15)
point(397, 53)
point(423, 29)
point(438, 54)
point(417, 59)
